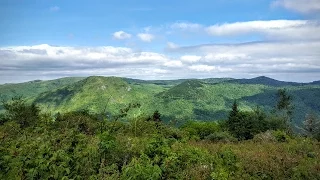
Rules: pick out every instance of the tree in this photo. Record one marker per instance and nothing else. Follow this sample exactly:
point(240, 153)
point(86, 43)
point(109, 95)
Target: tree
point(19, 111)
point(244, 125)
point(285, 107)
point(312, 126)
point(233, 123)
point(235, 110)
point(284, 102)
point(156, 117)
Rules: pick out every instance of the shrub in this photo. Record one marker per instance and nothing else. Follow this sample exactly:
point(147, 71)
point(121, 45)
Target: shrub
point(81, 121)
point(200, 130)
point(265, 137)
point(226, 165)
point(281, 136)
point(222, 136)
point(141, 168)
point(19, 111)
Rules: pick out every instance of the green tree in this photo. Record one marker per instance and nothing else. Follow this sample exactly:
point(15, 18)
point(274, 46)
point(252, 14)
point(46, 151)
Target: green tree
point(312, 126)
point(156, 117)
point(234, 120)
point(19, 111)
point(285, 107)
point(244, 125)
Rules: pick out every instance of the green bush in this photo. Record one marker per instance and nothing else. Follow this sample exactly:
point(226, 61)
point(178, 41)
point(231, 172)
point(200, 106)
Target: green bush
point(141, 168)
point(265, 137)
point(19, 111)
point(281, 136)
point(200, 130)
point(222, 136)
point(81, 121)
point(226, 165)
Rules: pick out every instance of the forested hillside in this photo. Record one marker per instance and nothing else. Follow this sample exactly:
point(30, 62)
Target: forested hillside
point(176, 100)
point(85, 145)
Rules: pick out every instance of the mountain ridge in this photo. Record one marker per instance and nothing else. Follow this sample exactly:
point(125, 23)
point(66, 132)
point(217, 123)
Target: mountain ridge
point(200, 99)
point(134, 80)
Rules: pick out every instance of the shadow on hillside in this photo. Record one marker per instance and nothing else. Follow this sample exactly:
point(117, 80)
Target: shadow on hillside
point(57, 97)
point(267, 98)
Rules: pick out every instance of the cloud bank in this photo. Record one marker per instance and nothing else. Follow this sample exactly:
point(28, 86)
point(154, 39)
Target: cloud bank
point(287, 50)
point(301, 6)
point(296, 59)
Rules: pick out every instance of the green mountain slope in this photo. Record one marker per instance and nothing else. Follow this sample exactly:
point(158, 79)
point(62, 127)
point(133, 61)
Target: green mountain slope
point(265, 81)
point(176, 100)
point(30, 90)
point(97, 94)
point(190, 89)
point(197, 100)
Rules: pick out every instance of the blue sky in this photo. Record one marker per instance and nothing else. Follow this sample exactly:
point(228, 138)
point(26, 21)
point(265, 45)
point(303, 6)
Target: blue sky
point(159, 39)
point(91, 23)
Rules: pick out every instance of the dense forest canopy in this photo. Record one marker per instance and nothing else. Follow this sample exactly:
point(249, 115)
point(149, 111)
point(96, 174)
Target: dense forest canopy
point(112, 132)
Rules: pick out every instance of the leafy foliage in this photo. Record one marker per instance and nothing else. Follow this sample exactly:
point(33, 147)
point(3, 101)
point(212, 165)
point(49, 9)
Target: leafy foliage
point(244, 125)
point(176, 100)
point(115, 137)
point(19, 111)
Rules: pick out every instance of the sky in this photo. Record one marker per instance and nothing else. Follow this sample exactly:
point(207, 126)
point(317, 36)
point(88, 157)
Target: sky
point(167, 39)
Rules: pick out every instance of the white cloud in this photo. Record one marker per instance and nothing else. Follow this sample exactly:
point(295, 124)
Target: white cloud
point(75, 56)
point(190, 58)
point(225, 57)
point(159, 71)
point(121, 35)
point(54, 8)
point(208, 68)
point(280, 29)
point(186, 26)
point(146, 37)
point(171, 45)
point(301, 6)
point(173, 64)
point(265, 29)
point(295, 59)
point(202, 68)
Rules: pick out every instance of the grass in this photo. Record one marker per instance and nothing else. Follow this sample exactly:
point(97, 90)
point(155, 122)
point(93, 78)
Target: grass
point(296, 159)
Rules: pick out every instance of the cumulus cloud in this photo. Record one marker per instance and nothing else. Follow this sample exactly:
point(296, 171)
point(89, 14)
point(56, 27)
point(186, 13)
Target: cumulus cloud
point(190, 58)
point(267, 29)
point(257, 58)
point(277, 29)
point(186, 26)
point(54, 8)
point(50, 57)
point(202, 67)
point(146, 37)
point(225, 57)
point(207, 68)
point(299, 60)
point(173, 63)
point(121, 35)
point(301, 6)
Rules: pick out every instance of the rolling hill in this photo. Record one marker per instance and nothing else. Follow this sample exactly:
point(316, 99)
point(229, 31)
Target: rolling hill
point(263, 80)
point(176, 100)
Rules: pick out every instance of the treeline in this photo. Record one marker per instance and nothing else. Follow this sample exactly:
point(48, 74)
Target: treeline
point(82, 145)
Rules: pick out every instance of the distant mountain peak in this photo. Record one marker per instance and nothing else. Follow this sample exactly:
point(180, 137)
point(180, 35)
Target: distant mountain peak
point(189, 89)
point(264, 80)
point(194, 83)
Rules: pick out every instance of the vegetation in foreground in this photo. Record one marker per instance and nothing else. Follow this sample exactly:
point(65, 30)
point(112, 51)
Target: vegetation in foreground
point(82, 145)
